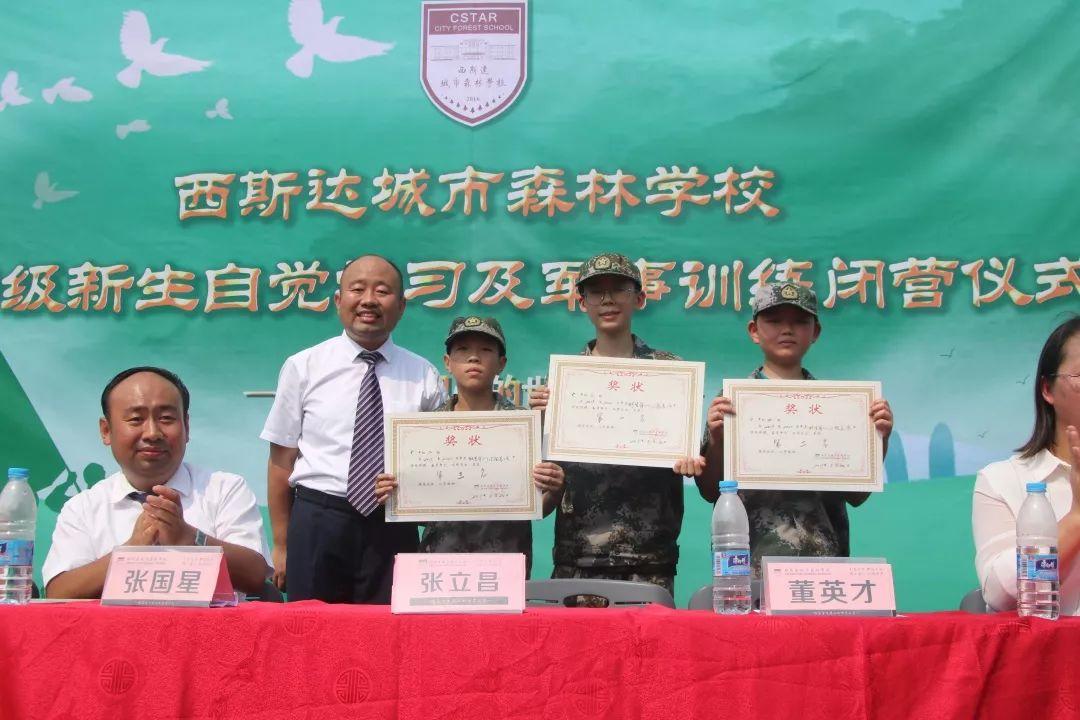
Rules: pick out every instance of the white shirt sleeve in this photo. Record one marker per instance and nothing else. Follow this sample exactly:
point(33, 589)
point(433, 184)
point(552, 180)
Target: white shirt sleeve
point(994, 527)
point(72, 545)
point(237, 519)
point(285, 421)
point(434, 395)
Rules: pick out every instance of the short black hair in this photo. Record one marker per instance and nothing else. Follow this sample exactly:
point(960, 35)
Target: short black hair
point(185, 396)
point(388, 261)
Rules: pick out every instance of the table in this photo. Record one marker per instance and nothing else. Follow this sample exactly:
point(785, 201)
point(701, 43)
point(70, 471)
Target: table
point(310, 660)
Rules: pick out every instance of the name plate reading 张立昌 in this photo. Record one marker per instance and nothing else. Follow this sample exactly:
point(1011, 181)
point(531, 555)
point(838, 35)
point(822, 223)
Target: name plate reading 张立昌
point(463, 465)
point(802, 435)
point(458, 583)
point(827, 586)
point(179, 576)
point(623, 411)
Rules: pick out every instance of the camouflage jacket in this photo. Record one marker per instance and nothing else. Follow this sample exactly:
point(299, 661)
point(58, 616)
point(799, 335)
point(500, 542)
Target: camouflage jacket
point(795, 522)
point(617, 515)
point(493, 536)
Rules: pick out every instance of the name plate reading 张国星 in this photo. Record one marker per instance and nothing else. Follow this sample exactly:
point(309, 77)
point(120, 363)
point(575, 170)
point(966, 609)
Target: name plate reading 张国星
point(827, 586)
point(179, 576)
point(623, 411)
point(463, 465)
point(458, 583)
point(802, 435)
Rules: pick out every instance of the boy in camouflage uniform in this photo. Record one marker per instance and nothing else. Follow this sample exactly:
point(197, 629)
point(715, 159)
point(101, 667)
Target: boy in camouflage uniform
point(475, 354)
point(785, 522)
point(618, 522)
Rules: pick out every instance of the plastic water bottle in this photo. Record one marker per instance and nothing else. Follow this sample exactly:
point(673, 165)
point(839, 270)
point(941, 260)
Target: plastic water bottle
point(731, 552)
point(18, 517)
point(1037, 556)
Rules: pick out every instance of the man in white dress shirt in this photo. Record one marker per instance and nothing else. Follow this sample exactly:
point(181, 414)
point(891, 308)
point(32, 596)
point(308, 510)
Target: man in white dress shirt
point(156, 498)
point(325, 430)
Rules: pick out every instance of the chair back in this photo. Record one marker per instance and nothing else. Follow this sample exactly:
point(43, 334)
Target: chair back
point(701, 599)
point(973, 602)
point(269, 593)
point(597, 593)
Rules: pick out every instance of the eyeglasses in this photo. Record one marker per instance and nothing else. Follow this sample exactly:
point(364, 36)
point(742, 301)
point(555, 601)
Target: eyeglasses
point(1074, 379)
point(596, 297)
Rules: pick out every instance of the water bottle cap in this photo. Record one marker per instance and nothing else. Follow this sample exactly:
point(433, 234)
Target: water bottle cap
point(16, 472)
point(1036, 487)
point(729, 486)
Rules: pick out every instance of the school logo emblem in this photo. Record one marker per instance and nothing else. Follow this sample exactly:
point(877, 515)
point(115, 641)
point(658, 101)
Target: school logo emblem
point(473, 56)
point(788, 292)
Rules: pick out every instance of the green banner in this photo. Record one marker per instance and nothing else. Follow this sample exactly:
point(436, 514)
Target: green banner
point(187, 202)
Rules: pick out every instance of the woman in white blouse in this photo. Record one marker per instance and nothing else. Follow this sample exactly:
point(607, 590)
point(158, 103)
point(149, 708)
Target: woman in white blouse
point(1051, 455)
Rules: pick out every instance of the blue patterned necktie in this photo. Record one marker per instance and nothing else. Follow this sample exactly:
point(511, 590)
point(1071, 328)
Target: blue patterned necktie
point(366, 460)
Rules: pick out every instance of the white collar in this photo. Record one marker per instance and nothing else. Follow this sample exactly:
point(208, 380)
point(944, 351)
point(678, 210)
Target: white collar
point(352, 349)
point(1042, 464)
point(181, 482)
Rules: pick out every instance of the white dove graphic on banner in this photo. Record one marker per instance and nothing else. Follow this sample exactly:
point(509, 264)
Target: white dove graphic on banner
point(68, 91)
point(135, 126)
point(46, 192)
point(10, 92)
point(321, 40)
point(151, 57)
point(220, 110)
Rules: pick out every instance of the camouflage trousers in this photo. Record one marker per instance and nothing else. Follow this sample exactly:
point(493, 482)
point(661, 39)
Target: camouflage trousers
point(631, 573)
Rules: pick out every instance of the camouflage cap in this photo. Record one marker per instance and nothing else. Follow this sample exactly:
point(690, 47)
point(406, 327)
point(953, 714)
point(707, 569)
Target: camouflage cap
point(609, 264)
point(474, 324)
point(784, 293)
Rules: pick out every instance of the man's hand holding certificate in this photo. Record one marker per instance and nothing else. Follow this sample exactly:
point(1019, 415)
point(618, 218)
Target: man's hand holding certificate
point(802, 435)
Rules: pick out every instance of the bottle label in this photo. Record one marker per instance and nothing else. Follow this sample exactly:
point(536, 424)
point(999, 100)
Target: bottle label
point(731, 563)
point(16, 552)
point(1037, 567)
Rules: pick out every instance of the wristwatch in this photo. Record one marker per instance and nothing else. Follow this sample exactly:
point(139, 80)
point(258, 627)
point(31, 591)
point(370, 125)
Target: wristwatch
point(200, 537)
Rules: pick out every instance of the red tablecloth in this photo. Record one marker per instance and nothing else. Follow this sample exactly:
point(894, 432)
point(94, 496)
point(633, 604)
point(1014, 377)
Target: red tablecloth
point(309, 660)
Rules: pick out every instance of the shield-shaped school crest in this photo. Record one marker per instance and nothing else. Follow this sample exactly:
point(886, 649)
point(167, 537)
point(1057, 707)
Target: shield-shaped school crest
point(473, 56)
